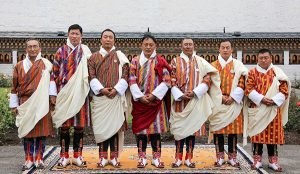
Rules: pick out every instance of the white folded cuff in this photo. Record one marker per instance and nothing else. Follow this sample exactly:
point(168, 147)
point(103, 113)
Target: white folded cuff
point(237, 94)
point(96, 86)
point(201, 89)
point(13, 101)
point(177, 93)
point(160, 91)
point(256, 97)
point(52, 89)
point(121, 86)
point(279, 98)
point(136, 92)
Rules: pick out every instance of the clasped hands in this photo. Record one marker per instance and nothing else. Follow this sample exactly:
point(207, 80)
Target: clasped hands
point(147, 99)
point(227, 100)
point(268, 101)
point(109, 92)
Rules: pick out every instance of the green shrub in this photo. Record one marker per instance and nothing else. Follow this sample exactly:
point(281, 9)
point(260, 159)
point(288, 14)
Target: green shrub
point(294, 114)
point(296, 83)
point(5, 81)
point(7, 119)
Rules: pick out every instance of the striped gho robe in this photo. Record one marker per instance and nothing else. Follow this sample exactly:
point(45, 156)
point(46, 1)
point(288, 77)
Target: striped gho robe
point(261, 82)
point(147, 80)
point(106, 69)
point(24, 85)
point(185, 76)
point(226, 76)
point(65, 63)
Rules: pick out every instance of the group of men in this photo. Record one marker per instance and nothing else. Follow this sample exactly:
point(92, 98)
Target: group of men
point(59, 92)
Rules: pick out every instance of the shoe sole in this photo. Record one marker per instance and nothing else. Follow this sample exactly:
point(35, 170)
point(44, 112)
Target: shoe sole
point(62, 167)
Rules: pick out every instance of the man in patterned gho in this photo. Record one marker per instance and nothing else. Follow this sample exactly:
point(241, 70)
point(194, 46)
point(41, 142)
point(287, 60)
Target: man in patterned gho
point(149, 81)
point(228, 118)
point(29, 100)
point(192, 77)
point(268, 89)
point(109, 71)
point(69, 89)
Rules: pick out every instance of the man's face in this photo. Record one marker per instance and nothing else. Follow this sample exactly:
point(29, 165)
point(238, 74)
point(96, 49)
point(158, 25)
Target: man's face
point(74, 36)
point(148, 47)
point(187, 47)
point(264, 60)
point(33, 48)
point(107, 40)
point(225, 50)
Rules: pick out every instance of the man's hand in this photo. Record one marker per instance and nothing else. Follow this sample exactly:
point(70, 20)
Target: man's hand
point(224, 98)
point(144, 100)
point(267, 101)
point(150, 97)
point(105, 91)
point(186, 96)
point(112, 93)
point(53, 100)
point(190, 94)
point(229, 100)
point(207, 78)
point(15, 111)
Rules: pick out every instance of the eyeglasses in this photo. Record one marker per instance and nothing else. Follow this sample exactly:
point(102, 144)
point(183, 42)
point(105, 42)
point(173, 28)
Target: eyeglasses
point(33, 46)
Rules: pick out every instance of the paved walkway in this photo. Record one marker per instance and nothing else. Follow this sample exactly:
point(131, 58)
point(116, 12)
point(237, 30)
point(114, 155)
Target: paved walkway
point(11, 159)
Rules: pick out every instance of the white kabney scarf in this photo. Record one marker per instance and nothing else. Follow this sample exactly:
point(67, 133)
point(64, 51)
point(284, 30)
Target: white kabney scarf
point(72, 96)
point(108, 114)
point(257, 119)
point(37, 106)
point(197, 111)
point(226, 114)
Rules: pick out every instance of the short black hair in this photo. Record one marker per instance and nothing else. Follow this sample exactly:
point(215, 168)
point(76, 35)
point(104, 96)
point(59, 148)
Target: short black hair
point(264, 50)
point(226, 40)
point(149, 36)
point(75, 27)
point(186, 39)
point(109, 31)
point(35, 39)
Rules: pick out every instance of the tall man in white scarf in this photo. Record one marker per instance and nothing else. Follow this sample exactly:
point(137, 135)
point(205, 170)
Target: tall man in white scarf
point(29, 100)
point(70, 80)
point(268, 89)
point(228, 118)
point(109, 71)
point(196, 90)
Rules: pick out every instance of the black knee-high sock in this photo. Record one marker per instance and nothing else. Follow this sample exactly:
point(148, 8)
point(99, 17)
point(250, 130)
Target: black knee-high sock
point(155, 142)
point(28, 148)
point(232, 143)
point(113, 143)
point(78, 139)
point(64, 139)
point(272, 149)
point(257, 149)
point(141, 141)
point(179, 145)
point(219, 142)
point(39, 147)
point(190, 144)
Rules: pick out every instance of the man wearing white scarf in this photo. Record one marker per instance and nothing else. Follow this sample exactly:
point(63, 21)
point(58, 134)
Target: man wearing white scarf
point(228, 118)
point(29, 100)
point(268, 89)
point(69, 91)
point(191, 81)
point(109, 71)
